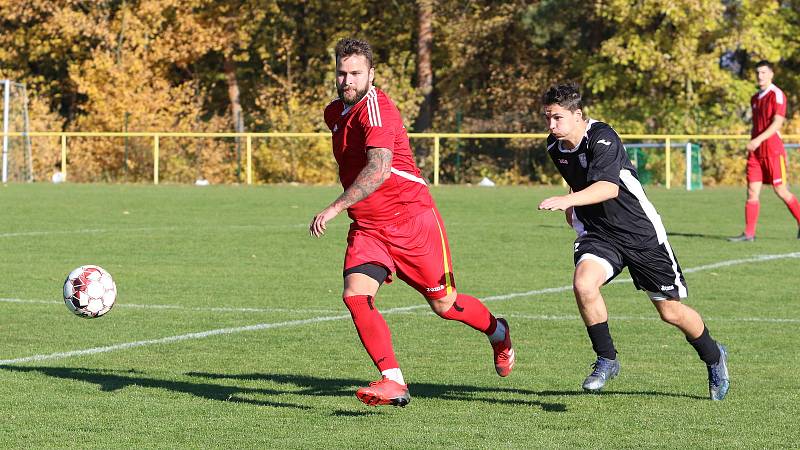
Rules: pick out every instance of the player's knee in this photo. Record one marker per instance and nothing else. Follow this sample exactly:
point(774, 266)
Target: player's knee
point(672, 314)
point(441, 305)
point(585, 289)
point(784, 194)
point(439, 308)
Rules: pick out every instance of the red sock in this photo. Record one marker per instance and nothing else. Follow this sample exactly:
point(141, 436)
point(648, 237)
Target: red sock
point(794, 208)
point(471, 311)
point(751, 217)
point(372, 330)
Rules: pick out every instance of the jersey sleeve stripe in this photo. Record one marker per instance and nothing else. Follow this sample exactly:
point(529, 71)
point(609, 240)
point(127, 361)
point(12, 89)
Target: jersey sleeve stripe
point(373, 110)
point(779, 96)
point(373, 103)
point(370, 109)
point(378, 110)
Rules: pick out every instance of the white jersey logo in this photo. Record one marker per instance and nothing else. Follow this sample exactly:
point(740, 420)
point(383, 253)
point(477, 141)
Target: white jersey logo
point(576, 246)
point(335, 127)
point(582, 160)
point(604, 142)
point(668, 288)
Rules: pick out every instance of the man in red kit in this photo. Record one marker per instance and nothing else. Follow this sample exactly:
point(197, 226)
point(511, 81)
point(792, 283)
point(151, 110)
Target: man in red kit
point(396, 226)
point(766, 161)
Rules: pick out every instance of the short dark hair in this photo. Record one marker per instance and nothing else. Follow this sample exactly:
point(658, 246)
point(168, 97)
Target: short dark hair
point(765, 63)
point(567, 96)
point(351, 46)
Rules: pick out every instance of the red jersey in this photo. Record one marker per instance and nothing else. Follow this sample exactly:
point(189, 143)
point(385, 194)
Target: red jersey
point(766, 105)
point(375, 122)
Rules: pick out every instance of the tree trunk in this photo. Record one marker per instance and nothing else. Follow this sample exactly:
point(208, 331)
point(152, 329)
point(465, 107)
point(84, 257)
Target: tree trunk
point(233, 95)
point(424, 69)
point(236, 111)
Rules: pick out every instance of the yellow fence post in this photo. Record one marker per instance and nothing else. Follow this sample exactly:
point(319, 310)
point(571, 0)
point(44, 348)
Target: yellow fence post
point(668, 143)
point(64, 156)
point(436, 160)
point(155, 159)
point(437, 137)
point(249, 159)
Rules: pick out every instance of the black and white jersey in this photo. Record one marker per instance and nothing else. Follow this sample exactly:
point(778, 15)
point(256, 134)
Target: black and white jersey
point(629, 220)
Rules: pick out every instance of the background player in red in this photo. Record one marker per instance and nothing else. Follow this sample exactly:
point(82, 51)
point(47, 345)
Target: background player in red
point(766, 160)
point(396, 226)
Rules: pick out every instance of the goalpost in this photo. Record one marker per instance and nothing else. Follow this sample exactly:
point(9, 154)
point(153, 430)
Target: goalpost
point(694, 170)
point(17, 161)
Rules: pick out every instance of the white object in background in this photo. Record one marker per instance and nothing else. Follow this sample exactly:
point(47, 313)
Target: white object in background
point(486, 182)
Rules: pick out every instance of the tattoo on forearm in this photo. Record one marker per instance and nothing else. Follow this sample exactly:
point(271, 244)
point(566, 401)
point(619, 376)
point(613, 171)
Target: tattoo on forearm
point(377, 170)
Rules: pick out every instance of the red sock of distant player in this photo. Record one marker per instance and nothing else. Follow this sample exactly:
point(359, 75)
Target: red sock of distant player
point(794, 208)
point(751, 217)
point(471, 311)
point(372, 330)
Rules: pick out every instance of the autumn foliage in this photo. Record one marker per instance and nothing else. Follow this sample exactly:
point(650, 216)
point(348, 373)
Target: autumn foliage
point(661, 66)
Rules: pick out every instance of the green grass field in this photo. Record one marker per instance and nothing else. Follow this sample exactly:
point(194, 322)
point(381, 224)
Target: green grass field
point(229, 329)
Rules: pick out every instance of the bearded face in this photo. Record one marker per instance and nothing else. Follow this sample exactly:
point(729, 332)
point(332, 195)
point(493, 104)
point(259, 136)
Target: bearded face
point(351, 95)
point(353, 78)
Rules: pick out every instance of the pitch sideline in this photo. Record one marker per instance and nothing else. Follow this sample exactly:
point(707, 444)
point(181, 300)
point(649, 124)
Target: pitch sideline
point(265, 326)
point(182, 308)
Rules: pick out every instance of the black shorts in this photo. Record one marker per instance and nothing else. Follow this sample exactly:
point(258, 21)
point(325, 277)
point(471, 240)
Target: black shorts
point(655, 270)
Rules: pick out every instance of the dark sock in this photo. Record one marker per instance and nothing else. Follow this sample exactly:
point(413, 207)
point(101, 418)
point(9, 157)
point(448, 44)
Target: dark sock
point(706, 347)
point(601, 340)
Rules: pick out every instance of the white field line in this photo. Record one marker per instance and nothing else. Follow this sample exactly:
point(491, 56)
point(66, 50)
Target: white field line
point(169, 339)
point(181, 308)
point(83, 231)
point(264, 326)
point(567, 317)
point(146, 229)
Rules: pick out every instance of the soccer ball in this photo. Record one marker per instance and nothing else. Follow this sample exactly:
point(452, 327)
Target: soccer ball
point(89, 291)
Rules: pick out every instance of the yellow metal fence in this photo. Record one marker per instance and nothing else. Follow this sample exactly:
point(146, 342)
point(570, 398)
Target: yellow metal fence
point(436, 137)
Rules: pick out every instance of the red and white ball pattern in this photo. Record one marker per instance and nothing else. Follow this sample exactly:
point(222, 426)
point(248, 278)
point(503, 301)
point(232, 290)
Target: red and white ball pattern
point(89, 291)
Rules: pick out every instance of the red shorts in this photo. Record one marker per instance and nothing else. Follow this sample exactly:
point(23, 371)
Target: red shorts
point(416, 249)
point(771, 169)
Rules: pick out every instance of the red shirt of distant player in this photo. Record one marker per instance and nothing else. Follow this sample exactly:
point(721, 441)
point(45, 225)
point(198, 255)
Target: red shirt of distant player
point(375, 122)
point(766, 104)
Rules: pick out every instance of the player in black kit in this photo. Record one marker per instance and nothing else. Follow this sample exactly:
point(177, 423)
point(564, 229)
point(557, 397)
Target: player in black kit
point(617, 227)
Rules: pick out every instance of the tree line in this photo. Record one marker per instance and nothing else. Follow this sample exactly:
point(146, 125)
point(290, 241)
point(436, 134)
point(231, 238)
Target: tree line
point(645, 66)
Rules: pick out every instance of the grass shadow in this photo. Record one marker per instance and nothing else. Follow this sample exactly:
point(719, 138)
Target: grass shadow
point(340, 387)
point(716, 237)
point(613, 392)
point(110, 381)
point(304, 385)
point(345, 413)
